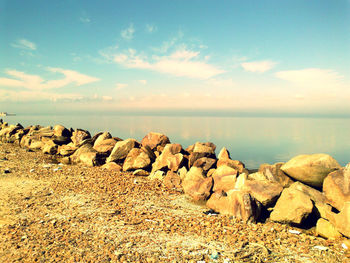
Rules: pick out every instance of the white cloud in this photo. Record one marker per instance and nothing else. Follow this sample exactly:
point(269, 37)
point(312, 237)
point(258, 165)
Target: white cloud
point(24, 44)
point(312, 77)
point(151, 28)
point(258, 66)
point(120, 86)
point(143, 81)
point(35, 82)
point(128, 33)
point(182, 63)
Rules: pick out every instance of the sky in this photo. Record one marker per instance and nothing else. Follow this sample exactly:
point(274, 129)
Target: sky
point(240, 56)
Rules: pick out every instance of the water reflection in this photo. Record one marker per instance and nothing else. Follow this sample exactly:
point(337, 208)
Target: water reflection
point(251, 140)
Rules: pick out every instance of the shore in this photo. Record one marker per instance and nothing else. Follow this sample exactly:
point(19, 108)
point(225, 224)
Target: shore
point(69, 213)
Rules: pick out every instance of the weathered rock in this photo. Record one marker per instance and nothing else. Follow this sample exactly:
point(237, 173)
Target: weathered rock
point(182, 172)
point(121, 150)
point(236, 203)
point(157, 175)
point(194, 156)
point(170, 158)
point(102, 137)
point(140, 172)
point(224, 154)
point(205, 163)
point(325, 229)
point(61, 140)
point(154, 139)
point(265, 192)
point(293, 207)
point(150, 153)
point(310, 169)
point(79, 136)
point(238, 165)
point(61, 131)
point(336, 187)
point(273, 173)
point(112, 166)
point(172, 180)
point(136, 159)
point(36, 145)
point(341, 221)
point(67, 150)
point(196, 185)
point(87, 155)
point(206, 147)
point(105, 146)
point(224, 178)
point(50, 147)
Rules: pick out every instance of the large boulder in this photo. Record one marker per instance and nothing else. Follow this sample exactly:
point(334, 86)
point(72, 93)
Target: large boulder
point(196, 185)
point(236, 203)
point(136, 159)
point(341, 221)
point(50, 147)
point(79, 136)
point(224, 178)
point(67, 149)
point(205, 163)
point(154, 139)
point(121, 150)
point(273, 173)
point(170, 158)
point(194, 156)
point(224, 159)
point(293, 207)
point(105, 146)
point(325, 229)
point(59, 130)
point(336, 187)
point(102, 137)
point(87, 155)
point(310, 169)
point(172, 180)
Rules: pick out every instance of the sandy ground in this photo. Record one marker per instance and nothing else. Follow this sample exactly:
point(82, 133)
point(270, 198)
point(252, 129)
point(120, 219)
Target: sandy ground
point(56, 213)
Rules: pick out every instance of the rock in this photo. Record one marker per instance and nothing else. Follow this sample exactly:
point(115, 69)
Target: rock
point(36, 145)
point(325, 229)
point(140, 172)
point(61, 140)
point(105, 146)
point(182, 172)
point(207, 147)
point(238, 165)
point(170, 158)
point(293, 207)
point(50, 147)
point(61, 131)
point(102, 137)
point(196, 185)
point(154, 139)
point(310, 169)
point(157, 175)
point(136, 159)
point(341, 221)
point(194, 156)
point(67, 150)
point(205, 163)
point(273, 173)
point(150, 153)
point(112, 166)
point(79, 136)
point(264, 192)
point(224, 178)
point(336, 187)
point(121, 150)
point(172, 180)
point(87, 155)
point(236, 203)
point(224, 154)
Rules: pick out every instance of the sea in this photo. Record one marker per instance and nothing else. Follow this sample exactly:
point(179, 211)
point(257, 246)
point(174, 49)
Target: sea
point(252, 140)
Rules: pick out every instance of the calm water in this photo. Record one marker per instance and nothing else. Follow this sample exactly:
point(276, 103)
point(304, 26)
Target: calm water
point(251, 140)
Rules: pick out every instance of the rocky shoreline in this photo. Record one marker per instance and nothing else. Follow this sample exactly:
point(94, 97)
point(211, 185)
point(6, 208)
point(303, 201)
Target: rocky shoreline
point(308, 191)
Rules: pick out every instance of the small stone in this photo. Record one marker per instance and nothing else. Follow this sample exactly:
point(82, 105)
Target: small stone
point(7, 171)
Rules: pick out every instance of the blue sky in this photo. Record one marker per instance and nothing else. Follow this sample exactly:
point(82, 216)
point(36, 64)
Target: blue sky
point(273, 56)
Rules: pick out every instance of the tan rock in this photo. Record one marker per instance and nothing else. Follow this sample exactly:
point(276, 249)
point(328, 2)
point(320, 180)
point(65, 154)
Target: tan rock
point(67, 150)
point(50, 147)
point(224, 178)
point(154, 139)
point(236, 203)
point(79, 136)
point(101, 138)
point(224, 154)
point(157, 175)
point(182, 172)
point(205, 163)
point(273, 173)
point(87, 155)
point(121, 150)
point(310, 169)
point(293, 207)
point(60, 130)
point(341, 221)
point(172, 180)
point(207, 147)
point(238, 165)
point(136, 159)
point(194, 156)
point(325, 229)
point(112, 166)
point(105, 146)
point(196, 185)
point(170, 158)
point(36, 145)
point(140, 172)
point(336, 187)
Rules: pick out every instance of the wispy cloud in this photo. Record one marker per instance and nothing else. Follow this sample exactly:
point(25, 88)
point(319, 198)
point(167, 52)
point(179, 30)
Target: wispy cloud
point(151, 28)
point(312, 77)
point(34, 82)
point(24, 44)
point(181, 63)
point(258, 66)
point(128, 33)
point(120, 86)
